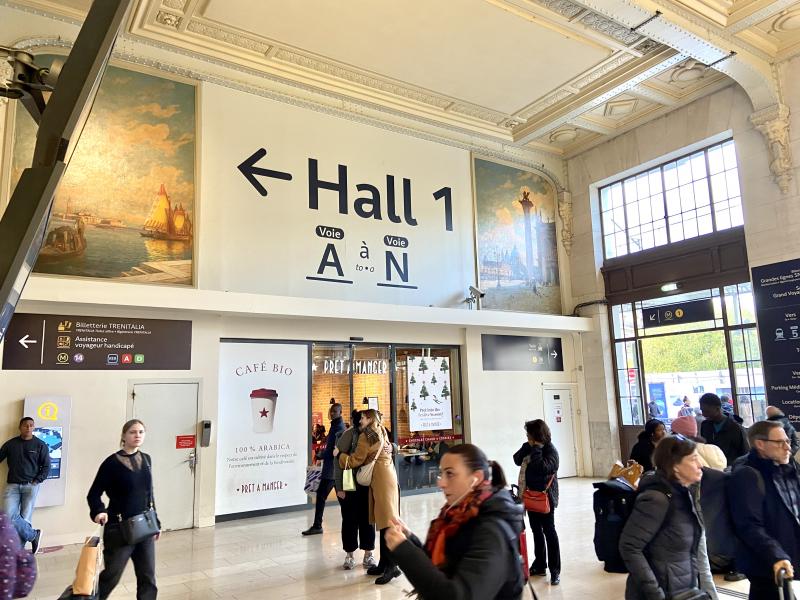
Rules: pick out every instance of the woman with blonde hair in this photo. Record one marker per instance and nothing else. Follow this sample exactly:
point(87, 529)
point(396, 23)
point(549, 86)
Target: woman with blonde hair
point(127, 480)
point(374, 446)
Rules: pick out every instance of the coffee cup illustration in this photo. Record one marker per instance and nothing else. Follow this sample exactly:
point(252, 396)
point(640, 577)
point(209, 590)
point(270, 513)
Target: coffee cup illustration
point(263, 409)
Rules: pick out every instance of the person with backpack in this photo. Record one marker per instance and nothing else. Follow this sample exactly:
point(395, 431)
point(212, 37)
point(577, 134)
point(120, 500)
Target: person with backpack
point(764, 497)
point(472, 547)
point(539, 461)
point(661, 542)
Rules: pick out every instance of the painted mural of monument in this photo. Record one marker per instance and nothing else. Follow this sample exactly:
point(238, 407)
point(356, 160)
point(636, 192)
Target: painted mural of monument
point(516, 234)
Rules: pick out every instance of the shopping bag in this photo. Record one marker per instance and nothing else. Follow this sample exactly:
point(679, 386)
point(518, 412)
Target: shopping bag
point(313, 475)
point(631, 472)
point(348, 479)
point(88, 568)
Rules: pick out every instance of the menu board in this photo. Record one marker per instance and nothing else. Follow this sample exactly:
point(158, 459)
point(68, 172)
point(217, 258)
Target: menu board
point(776, 290)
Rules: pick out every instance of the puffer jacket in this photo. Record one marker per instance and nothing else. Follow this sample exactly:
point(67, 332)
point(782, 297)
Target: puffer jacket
point(541, 466)
point(660, 541)
point(479, 560)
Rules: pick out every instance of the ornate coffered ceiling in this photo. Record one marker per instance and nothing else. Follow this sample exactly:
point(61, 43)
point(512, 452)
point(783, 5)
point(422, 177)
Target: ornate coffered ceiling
point(544, 76)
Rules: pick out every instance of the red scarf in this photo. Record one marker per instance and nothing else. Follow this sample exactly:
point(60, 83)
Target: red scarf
point(450, 520)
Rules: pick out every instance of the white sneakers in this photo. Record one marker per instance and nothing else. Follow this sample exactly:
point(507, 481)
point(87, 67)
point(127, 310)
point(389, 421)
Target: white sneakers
point(349, 563)
point(369, 561)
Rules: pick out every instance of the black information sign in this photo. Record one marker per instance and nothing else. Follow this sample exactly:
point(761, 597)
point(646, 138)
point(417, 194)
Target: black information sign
point(94, 343)
point(693, 311)
point(521, 353)
point(776, 289)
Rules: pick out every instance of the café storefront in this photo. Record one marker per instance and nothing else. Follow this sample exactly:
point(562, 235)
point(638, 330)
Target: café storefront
point(417, 389)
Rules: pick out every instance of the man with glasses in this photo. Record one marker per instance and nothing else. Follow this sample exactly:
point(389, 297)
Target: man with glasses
point(764, 497)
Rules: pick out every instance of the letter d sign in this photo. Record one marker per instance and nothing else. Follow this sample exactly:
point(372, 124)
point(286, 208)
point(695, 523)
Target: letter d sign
point(48, 411)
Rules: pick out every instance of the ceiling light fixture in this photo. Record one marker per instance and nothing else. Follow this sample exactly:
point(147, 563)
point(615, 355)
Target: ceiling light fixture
point(669, 287)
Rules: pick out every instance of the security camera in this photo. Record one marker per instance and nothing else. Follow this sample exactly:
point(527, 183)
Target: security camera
point(476, 292)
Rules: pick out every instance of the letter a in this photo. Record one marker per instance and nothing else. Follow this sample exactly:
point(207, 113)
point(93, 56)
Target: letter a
point(330, 259)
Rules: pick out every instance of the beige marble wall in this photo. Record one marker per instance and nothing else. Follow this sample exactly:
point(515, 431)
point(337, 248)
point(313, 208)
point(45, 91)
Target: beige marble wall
point(772, 219)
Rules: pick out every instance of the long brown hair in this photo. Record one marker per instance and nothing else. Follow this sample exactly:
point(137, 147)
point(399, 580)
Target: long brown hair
point(375, 417)
point(126, 428)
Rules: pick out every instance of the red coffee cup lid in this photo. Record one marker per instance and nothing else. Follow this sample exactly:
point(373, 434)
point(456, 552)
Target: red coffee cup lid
point(264, 393)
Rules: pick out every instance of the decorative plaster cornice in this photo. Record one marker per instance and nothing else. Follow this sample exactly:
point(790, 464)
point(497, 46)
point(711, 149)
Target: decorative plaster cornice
point(168, 19)
point(493, 149)
point(773, 8)
point(174, 4)
point(773, 123)
point(331, 69)
point(228, 37)
point(606, 26)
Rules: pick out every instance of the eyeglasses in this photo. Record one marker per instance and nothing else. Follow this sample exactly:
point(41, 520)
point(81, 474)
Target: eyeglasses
point(781, 442)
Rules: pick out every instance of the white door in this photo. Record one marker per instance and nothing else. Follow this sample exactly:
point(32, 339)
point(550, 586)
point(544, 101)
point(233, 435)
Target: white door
point(169, 414)
point(558, 415)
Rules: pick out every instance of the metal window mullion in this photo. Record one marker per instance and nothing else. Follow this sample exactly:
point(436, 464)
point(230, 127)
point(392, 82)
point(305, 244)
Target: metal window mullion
point(664, 196)
point(710, 192)
point(625, 217)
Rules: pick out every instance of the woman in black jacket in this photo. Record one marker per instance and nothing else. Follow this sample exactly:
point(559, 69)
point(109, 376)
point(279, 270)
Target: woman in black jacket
point(642, 452)
point(127, 480)
point(539, 461)
point(661, 542)
point(472, 548)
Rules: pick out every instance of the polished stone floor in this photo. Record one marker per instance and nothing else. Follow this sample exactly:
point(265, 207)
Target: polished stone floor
point(266, 558)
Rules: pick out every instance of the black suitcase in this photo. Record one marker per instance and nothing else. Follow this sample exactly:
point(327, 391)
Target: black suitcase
point(613, 503)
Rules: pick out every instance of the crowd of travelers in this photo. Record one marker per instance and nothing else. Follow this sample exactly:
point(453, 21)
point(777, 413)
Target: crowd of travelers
point(714, 497)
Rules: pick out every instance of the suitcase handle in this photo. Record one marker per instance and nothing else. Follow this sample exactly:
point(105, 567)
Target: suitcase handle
point(785, 591)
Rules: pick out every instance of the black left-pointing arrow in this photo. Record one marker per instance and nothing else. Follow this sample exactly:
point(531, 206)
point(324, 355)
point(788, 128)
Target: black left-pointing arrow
point(250, 170)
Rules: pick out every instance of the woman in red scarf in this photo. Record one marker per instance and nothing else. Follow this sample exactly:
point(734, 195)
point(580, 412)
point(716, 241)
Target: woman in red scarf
point(472, 550)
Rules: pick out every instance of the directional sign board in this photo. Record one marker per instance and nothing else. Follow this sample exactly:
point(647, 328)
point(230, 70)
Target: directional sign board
point(521, 353)
point(96, 343)
point(776, 289)
point(694, 311)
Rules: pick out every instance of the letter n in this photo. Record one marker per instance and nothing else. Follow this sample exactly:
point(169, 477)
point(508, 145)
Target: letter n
point(331, 259)
point(391, 261)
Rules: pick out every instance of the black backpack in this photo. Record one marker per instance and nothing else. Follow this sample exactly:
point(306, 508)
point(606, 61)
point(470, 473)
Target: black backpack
point(516, 545)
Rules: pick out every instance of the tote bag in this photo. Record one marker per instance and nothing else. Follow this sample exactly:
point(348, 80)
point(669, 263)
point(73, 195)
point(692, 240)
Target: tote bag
point(348, 480)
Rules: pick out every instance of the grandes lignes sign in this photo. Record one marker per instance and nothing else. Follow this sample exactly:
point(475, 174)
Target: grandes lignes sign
point(305, 204)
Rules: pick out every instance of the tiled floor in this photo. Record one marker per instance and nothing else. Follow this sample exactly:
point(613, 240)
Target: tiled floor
point(266, 558)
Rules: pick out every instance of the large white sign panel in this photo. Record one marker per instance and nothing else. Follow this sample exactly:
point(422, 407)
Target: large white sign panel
point(430, 407)
point(51, 416)
point(262, 439)
point(323, 207)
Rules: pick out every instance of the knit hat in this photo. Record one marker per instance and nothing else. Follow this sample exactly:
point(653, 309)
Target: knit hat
point(686, 426)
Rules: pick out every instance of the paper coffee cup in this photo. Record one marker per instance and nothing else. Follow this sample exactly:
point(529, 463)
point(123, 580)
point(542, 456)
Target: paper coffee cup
point(263, 409)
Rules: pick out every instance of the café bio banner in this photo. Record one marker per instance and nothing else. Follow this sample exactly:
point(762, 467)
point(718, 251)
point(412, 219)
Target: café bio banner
point(324, 207)
point(262, 440)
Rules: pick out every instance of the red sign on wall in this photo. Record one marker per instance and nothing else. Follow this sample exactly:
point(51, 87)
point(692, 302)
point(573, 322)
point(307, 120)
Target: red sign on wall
point(185, 441)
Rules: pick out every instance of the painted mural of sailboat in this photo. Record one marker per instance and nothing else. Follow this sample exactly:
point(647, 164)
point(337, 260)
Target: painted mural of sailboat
point(167, 222)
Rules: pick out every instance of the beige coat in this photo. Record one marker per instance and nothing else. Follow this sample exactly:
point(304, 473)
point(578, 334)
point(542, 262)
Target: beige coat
point(384, 494)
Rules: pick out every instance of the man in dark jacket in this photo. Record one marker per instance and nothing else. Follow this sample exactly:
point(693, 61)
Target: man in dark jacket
point(721, 430)
point(326, 481)
point(764, 497)
point(776, 414)
point(28, 467)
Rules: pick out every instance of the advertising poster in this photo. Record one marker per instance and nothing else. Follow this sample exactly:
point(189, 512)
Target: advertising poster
point(51, 417)
point(262, 441)
point(429, 393)
point(125, 207)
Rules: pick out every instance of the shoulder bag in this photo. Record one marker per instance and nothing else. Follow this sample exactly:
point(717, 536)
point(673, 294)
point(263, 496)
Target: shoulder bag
point(364, 475)
point(139, 527)
point(538, 502)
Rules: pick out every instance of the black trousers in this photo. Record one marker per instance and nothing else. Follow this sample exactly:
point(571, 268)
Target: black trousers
point(116, 558)
point(325, 487)
point(763, 588)
point(355, 520)
point(546, 550)
point(386, 561)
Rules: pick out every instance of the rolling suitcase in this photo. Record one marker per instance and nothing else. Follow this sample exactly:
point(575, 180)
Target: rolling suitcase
point(613, 502)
